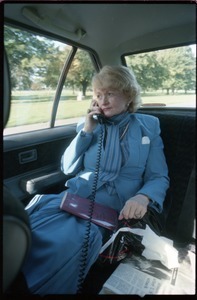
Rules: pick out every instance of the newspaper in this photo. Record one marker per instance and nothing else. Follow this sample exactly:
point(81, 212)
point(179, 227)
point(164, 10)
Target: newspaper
point(139, 276)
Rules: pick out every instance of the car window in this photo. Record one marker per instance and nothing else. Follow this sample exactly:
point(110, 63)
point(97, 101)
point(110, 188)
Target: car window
point(167, 77)
point(36, 65)
point(77, 92)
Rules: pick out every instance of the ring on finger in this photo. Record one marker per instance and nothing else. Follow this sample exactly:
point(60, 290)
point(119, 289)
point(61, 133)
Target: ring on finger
point(137, 216)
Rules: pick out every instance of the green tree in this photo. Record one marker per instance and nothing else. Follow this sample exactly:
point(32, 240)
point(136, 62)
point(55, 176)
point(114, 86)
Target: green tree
point(148, 70)
point(186, 69)
point(54, 65)
point(37, 62)
point(27, 56)
point(180, 67)
point(169, 69)
point(81, 72)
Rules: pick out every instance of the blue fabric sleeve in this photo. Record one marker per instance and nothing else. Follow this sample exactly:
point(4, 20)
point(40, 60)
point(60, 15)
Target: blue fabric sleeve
point(72, 159)
point(156, 180)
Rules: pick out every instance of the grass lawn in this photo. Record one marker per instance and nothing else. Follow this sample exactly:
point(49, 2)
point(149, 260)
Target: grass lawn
point(33, 107)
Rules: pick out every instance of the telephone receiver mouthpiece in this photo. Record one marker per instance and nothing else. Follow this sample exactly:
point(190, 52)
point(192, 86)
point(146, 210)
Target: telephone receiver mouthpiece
point(100, 118)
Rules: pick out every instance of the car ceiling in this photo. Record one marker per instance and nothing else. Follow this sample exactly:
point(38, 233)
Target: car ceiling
point(125, 28)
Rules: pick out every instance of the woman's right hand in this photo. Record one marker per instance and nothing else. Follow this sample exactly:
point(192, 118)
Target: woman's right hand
point(90, 122)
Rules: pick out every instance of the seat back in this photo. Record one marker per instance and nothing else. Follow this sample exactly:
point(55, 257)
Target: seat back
point(16, 237)
point(178, 134)
point(16, 228)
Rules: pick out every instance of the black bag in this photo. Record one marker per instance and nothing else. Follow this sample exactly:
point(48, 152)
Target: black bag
point(126, 243)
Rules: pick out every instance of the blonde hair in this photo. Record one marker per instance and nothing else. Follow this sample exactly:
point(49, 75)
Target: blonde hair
point(120, 78)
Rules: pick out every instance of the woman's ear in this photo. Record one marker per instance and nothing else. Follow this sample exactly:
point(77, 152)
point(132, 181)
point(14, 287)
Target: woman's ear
point(128, 104)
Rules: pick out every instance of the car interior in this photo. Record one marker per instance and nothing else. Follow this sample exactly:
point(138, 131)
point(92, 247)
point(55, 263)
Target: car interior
point(31, 160)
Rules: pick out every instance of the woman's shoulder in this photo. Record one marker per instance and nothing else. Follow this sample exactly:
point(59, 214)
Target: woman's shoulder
point(146, 118)
point(148, 122)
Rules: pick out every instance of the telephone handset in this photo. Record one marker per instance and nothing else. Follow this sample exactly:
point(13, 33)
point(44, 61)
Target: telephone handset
point(101, 118)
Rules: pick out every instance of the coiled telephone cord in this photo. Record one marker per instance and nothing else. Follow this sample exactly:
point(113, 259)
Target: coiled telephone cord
point(85, 246)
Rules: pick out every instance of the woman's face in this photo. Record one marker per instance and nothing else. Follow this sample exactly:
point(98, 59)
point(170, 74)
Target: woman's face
point(111, 101)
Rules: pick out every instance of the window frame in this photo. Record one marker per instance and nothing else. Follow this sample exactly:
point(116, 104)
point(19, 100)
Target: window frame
point(65, 69)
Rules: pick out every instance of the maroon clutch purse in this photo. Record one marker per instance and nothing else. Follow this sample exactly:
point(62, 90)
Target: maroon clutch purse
point(102, 215)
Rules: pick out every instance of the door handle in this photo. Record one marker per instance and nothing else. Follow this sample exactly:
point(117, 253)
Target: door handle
point(27, 156)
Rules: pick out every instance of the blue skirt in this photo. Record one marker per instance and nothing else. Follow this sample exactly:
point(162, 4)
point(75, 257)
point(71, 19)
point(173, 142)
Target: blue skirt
point(53, 264)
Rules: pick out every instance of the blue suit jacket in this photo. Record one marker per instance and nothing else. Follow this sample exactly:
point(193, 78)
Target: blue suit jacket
point(145, 171)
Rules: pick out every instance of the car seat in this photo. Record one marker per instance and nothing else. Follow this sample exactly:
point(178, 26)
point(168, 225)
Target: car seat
point(16, 228)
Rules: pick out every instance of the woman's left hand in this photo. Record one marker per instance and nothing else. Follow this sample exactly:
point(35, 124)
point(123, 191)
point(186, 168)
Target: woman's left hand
point(135, 207)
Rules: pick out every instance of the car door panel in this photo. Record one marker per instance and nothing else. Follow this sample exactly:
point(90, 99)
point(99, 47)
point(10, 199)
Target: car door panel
point(32, 160)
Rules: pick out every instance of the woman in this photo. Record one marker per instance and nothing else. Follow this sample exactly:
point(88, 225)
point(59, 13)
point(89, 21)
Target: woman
point(132, 176)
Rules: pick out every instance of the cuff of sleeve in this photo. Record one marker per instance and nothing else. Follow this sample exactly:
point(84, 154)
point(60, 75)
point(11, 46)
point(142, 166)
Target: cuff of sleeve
point(85, 134)
point(154, 204)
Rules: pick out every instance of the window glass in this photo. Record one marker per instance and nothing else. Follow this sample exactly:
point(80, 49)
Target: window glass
point(35, 64)
point(77, 91)
point(167, 77)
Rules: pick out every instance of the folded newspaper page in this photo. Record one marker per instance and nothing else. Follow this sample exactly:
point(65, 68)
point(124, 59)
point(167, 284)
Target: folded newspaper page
point(137, 275)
